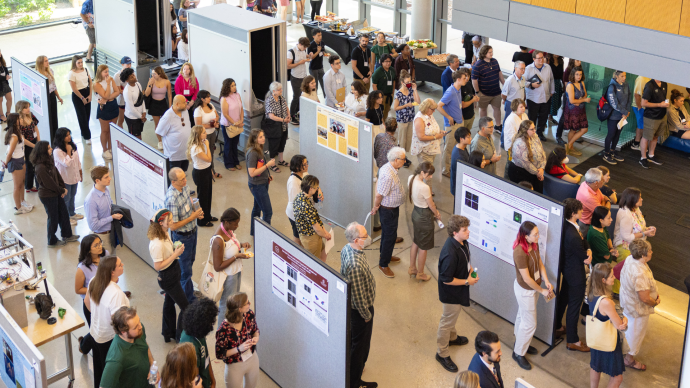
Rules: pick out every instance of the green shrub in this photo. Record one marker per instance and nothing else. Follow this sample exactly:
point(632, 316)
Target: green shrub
point(25, 20)
point(4, 9)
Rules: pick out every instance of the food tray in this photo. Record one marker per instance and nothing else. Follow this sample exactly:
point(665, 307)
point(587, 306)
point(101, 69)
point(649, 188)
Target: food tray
point(368, 30)
point(438, 59)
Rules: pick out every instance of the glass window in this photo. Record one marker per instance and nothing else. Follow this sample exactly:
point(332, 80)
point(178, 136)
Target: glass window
point(381, 18)
point(20, 13)
point(348, 9)
point(52, 42)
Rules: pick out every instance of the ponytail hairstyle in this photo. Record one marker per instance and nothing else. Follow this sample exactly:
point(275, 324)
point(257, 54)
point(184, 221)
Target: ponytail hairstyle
point(233, 304)
point(555, 158)
point(525, 229)
point(199, 102)
point(676, 94)
point(195, 139)
point(597, 287)
point(522, 134)
point(101, 280)
point(424, 167)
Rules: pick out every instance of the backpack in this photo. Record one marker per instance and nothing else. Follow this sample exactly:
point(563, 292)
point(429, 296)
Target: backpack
point(289, 72)
point(604, 109)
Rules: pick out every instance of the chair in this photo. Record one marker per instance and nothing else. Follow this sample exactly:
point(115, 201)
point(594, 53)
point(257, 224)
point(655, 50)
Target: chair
point(559, 189)
point(611, 228)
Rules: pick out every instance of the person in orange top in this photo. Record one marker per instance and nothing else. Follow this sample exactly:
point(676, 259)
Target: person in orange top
point(591, 197)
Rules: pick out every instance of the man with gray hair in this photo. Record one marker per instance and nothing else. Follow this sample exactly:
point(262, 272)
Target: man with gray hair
point(183, 229)
point(477, 45)
point(447, 77)
point(591, 196)
point(354, 267)
point(484, 143)
point(390, 194)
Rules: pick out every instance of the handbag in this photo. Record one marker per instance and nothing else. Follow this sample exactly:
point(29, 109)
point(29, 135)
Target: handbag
point(212, 281)
point(140, 98)
point(601, 336)
point(233, 131)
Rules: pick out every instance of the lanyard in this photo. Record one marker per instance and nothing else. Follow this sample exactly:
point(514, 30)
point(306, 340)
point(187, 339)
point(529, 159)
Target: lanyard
point(363, 52)
point(231, 237)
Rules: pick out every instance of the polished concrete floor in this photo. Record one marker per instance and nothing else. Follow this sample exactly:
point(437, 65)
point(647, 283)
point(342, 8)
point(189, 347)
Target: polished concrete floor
point(407, 312)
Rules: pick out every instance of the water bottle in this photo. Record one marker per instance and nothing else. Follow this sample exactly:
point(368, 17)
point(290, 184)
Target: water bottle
point(474, 273)
point(154, 373)
point(440, 224)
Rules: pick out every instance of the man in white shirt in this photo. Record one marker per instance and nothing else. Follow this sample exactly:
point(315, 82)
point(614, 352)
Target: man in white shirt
point(297, 59)
point(513, 88)
point(126, 63)
point(539, 93)
point(334, 80)
point(175, 128)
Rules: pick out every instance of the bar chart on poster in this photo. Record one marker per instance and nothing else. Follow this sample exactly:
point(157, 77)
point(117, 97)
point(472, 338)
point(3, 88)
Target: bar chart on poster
point(143, 186)
point(496, 215)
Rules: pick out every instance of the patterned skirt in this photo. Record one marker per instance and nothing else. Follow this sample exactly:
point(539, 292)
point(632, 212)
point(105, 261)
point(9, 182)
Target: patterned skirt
point(575, 118)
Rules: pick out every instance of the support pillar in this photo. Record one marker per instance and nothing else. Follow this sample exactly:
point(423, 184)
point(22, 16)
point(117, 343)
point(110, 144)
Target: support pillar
point(421, 19)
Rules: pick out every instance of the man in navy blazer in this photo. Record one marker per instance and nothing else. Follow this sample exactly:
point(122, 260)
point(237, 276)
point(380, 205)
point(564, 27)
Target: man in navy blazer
point(486, 361)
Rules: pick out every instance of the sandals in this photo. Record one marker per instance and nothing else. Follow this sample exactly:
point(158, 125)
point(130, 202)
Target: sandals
point(422, 277)
point(635, 365)
point(3, 118)
point(238, 167)
point(217, 175)
point(283, 163)
point(412, 271)
point(275, 169)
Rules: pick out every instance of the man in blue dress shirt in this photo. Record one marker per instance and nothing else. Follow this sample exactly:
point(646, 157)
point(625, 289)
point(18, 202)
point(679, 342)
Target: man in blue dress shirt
point(447, 76)
point(98, 204)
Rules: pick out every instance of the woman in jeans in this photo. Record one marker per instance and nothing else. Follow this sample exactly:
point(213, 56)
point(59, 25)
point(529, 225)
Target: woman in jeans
point(277, 119)
point(160, 89)
point(80, 82)
point(106, 89)
point(28, 126)
point(68, 164)
point(43, 67)
point(225, 248)
point(232, 116)
point(90, 253)
point(619, 96)
point(423, 217)
point(52, 194)
point(207, 116)
point(199, 152)
point(238, 334)
point(103, 296)
point(165, 257)
point(15, 163)
point(259, 177)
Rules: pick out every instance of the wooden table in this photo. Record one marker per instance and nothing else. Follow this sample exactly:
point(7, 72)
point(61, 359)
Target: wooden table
point(40, 332)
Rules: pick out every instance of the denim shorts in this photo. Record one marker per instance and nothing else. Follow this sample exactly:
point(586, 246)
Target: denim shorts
point(15, 165)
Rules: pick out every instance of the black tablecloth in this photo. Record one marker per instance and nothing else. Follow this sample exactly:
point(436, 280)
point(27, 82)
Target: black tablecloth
point(341, 44)
point(427, 71)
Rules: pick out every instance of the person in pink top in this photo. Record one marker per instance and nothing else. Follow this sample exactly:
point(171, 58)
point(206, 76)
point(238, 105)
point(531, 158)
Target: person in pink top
point(232, 120)
point(591, 196)
point(68, 165)
point(187, 85)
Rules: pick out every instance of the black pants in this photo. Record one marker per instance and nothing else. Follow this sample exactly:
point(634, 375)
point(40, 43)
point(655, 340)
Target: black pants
point(561, 121)
point(169, 281)
point(56, 209)
point(571, 296)
point(539, 113)
point(87, 342)
point(518, 174)
point(469, 53)
point(30, 178)
point(277, 145)
point(315, 8)
point(183, 164)
point(389, 233)
point(359, 345)
point(83, 113)
point(203, 179)
point(296, 93)
point(53, 117)
point(612, 136)
point(100, 352)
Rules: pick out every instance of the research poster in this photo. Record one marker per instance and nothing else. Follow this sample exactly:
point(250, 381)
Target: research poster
point(338, 132)
point(16, 371)
point(495, 217)
point(300, 287)
point(31, 91)
point(142, 187)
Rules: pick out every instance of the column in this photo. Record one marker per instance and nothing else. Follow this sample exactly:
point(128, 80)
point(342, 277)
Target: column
point(421, 19)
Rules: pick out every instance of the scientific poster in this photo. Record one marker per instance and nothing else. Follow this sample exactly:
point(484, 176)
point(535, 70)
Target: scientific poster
point(338, 132)
point(300, 287)
point(495, 217)
point(36, 102)
point(16, 370)
point(142, 184)
point(31, 91)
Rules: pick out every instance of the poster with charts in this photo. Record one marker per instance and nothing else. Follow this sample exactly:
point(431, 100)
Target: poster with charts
point(338, 132)
point(142, 184)
point(300, 287)
point(495, 217)
point(31, 92)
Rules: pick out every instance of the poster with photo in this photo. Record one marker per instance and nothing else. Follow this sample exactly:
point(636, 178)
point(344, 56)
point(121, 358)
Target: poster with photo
point(36, 102)
point(337, 131)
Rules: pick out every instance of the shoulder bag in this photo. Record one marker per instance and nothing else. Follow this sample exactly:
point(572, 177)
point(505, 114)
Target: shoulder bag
point(601, 336)
point(233, 130)
point(212, 281)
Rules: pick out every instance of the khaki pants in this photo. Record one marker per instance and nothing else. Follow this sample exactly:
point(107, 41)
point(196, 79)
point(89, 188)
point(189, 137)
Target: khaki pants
point(313, 244)
point(424, 157)
point(448, 149)
point(378, 129)
point(405, 135)
point(386, 110)
point(242, 374)
point(468, 123)
point(446, 328)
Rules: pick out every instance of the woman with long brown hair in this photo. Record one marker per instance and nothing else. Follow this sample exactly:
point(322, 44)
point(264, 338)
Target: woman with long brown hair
point(43, 67)
point(180, 370)
point(309, 88)
point(236, 341)
point(106, 90)
point(28, 126)
point(103, 297)
point(423, 216)
point(231, 123)
point(199, 152)
point(576, 115)
point(15, 163)
point(160, 90)
point(529, 158)
point(81, 84)
point(259, 177)
point(206, 115)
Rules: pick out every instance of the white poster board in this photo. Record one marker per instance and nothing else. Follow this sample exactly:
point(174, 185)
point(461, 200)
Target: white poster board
point(32, 86)
point(142, 182)
point(23, 365)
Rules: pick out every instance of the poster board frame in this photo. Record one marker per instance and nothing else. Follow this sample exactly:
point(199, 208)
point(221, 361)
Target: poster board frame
point(20, 71)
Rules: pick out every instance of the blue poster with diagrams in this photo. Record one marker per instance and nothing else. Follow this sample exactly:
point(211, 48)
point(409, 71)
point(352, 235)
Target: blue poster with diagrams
point(16, 371)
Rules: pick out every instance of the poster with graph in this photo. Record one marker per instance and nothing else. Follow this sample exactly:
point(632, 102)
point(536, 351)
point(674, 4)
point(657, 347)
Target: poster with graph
point(143, 186)
point(338, 132)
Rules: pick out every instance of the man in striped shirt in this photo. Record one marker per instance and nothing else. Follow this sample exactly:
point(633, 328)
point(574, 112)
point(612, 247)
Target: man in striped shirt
point(354, 266)
point(487, 79)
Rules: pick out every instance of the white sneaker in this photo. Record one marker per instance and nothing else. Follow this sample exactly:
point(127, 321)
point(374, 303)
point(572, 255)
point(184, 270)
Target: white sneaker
point(160, 145)
point(21, 210)
point(27, 205)
point(87, 141)
point(77, 216)
point(72, 222)
point(107, 154)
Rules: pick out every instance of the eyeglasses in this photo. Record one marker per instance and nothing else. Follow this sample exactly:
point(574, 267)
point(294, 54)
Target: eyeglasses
point(97, 245)
point(538, 58)
point(182, 118)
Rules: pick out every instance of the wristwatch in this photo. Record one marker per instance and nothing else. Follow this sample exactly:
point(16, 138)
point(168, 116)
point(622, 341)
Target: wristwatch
point(467, 282)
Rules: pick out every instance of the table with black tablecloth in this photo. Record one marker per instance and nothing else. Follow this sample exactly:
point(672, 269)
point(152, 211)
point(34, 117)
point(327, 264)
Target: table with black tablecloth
point(428, 71)
point(341, 44)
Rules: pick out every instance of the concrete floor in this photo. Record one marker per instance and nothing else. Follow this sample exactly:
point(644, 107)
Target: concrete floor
point(403, 344)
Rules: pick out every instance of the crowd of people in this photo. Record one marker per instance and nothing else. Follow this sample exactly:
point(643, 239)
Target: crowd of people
point(597, 266)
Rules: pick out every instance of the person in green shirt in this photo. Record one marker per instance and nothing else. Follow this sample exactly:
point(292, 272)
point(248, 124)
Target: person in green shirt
point(199, 320)
point(380, 48)
point(384, 79)
point(129, 359)
point(598, 238)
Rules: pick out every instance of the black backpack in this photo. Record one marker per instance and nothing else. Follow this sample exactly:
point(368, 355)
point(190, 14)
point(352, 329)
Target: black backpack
point(289, 72)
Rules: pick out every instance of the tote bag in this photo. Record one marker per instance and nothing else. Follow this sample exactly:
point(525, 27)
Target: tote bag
point(601, 336)
point(212, 281)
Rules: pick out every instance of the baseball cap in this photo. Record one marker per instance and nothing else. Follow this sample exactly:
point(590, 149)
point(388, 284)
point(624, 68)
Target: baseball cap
point(126, 60)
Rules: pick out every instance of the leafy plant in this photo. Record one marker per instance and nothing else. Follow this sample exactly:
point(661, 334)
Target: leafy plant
point(45, 14)
point(4, 9)
point(25, 20)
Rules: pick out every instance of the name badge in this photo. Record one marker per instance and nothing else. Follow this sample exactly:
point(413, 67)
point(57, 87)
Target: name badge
point(390, 83)
point(246, 355)
point(186, 207)
point(537, 277)
point(338, 81)
point(206, 363)
point(321, 54)
point(366, 64)
point(186, 91)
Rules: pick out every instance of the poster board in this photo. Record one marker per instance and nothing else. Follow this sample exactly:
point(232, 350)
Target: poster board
point(344, 167)
point(684, 380)
point(23, 365)
point(496, 208)
point(302, 306)
point(141, 181)
point(30, 85)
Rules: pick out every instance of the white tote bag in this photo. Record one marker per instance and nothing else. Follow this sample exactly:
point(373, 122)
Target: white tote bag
point(212, 281)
